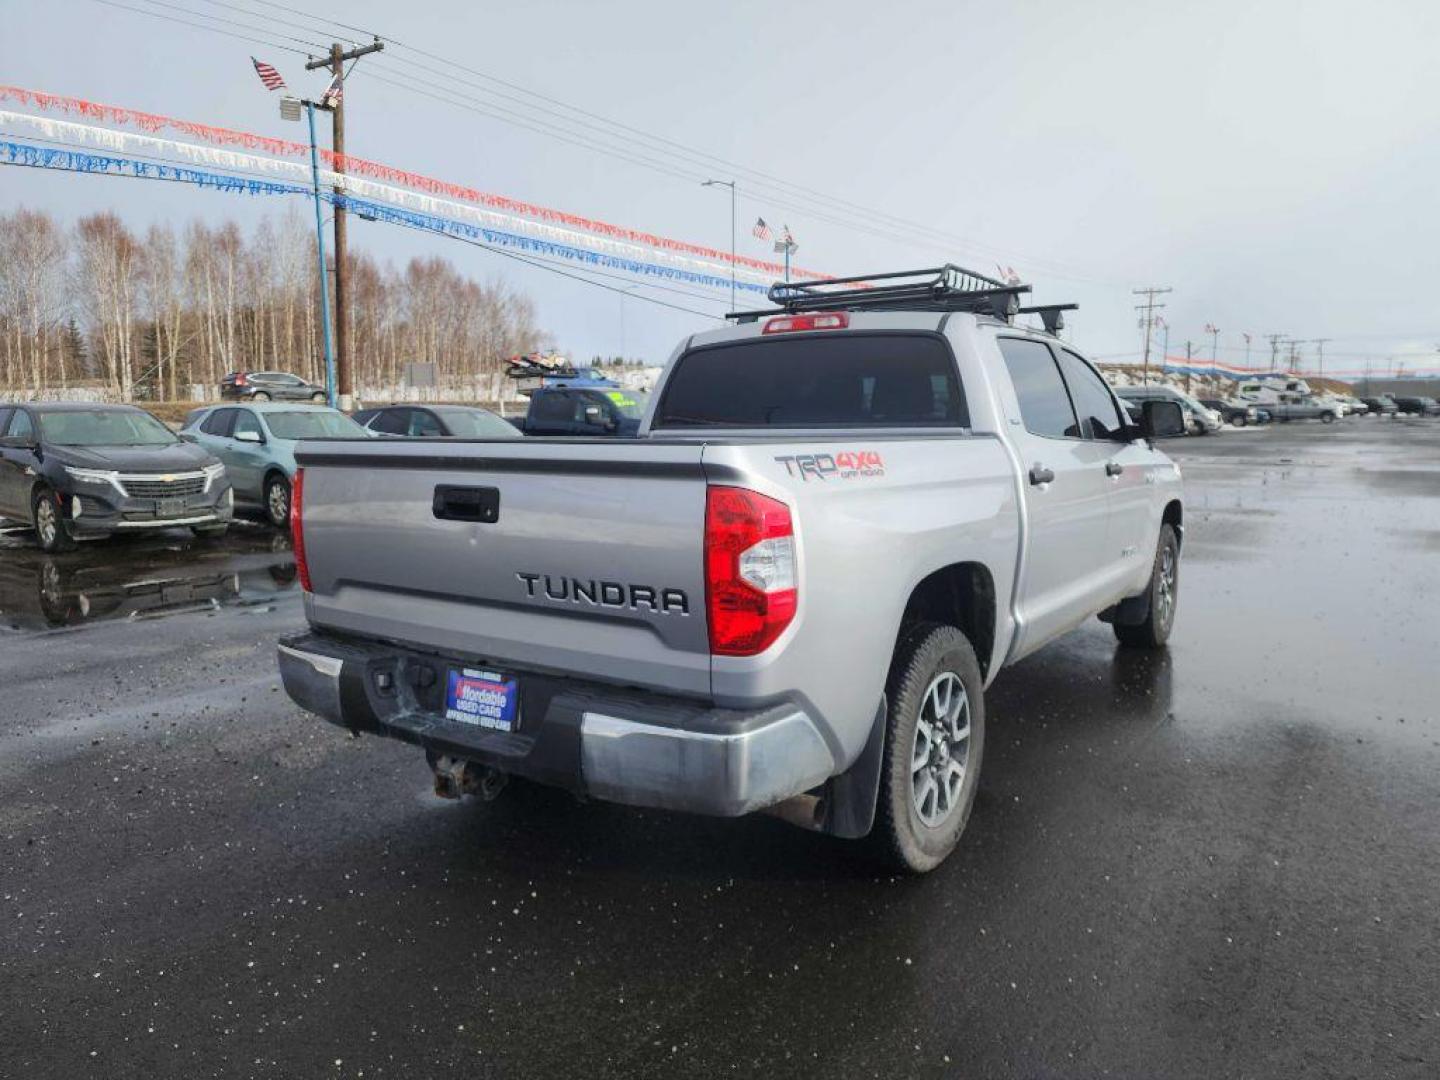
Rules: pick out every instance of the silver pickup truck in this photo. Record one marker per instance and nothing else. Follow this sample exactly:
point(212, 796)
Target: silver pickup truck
point(837, 523)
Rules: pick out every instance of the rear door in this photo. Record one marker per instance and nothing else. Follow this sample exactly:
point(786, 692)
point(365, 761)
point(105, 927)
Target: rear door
point(1067, 497)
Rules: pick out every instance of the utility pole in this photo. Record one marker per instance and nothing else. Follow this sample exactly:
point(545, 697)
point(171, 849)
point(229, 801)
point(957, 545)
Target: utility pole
point(1188, 354)
point(336, 63)
point(1247, 349)
point(1148, 321)
point(1319, 344)
point(1274, 340)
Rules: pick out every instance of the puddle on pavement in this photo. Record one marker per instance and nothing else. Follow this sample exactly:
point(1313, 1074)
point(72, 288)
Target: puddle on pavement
point(139, 577)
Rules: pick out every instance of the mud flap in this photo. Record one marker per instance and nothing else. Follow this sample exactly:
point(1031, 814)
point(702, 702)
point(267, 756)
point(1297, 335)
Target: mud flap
point(850, 797)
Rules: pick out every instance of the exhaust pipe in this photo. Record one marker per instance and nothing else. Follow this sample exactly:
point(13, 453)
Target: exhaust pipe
point(455, 777)
point(806, 811)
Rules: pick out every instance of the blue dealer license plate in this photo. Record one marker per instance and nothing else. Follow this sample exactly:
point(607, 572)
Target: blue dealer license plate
point(483, 698)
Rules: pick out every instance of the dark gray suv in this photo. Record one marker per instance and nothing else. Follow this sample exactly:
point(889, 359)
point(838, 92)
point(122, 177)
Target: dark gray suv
point(269, 386)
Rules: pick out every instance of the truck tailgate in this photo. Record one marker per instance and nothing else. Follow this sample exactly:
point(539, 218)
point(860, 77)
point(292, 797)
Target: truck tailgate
point(592, 565)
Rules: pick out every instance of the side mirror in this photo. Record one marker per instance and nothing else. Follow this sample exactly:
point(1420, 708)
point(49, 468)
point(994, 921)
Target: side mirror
point(187, 436)
point(1162, 420)
point(19, 442)
point(248, 436)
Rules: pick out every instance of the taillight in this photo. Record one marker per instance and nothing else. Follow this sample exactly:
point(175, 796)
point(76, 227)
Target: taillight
point(750, 580)
point(297, 528)
point(789, 324)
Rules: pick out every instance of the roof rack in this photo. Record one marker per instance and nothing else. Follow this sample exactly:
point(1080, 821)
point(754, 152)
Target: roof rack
point(1050, 315)
point(940, 288)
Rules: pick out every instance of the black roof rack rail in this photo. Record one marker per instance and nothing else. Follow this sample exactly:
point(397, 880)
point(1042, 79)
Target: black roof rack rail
point(939, 288)
point(1050, 315)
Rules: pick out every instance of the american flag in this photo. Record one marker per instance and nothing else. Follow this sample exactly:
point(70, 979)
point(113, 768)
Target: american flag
point(331, 97)
point(761, 231)
point(268, 75)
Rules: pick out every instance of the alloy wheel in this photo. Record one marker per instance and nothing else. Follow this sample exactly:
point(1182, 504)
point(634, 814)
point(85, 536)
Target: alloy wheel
point(941, 752)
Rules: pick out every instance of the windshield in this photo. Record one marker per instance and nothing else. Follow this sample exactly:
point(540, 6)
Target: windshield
point(629, 403)
point(104, 427)
point(477, 424)
point(313, 425)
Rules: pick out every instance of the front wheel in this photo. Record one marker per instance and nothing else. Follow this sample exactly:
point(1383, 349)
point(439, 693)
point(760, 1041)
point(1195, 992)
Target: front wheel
point(318, 398)
point(1327, 418)
point(48, 516)
point(1161, 595)
point(277, 501)
point(1239, 421)
point(934, 740)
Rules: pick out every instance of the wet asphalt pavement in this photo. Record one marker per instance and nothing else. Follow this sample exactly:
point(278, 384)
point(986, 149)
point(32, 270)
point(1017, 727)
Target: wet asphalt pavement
point(1219, 861)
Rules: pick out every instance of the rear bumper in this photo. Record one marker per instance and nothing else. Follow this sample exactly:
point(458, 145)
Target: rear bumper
point(615, 744)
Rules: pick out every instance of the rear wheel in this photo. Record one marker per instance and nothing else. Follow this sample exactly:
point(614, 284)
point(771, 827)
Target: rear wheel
point(277, 501)
point(318, 398)
point(1327, 418)
point(48, 517)
point(260, 395)
point(934, 740)
point(1162, 594)
point(1239, 421)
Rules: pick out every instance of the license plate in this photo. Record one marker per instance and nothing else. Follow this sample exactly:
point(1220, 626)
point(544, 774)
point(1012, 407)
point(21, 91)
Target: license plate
point(486, 699)
point(170, 508)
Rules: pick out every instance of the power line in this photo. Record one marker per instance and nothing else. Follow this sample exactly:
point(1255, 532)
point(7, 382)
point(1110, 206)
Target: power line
point(230, 22)
point(198, 26)
point(799, 197)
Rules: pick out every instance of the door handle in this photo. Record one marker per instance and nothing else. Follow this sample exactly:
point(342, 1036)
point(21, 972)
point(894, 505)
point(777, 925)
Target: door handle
point(1039, 474)
point(480, 504)
point(1113, 468)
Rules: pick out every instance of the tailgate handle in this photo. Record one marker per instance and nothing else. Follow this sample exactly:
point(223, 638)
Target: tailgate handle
point(454, 503)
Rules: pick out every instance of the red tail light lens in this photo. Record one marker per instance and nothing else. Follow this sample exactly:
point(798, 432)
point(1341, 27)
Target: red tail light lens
point(790, 324)
point(750, 576)
point(297, 528)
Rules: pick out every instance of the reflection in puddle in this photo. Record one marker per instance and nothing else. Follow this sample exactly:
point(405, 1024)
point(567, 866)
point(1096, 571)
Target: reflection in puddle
point(138, 577)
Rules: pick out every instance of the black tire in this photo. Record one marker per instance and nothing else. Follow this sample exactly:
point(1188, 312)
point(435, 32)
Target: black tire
point(1154, 632)
point(260, 395)
point(1239, 421)
point(47, 516)
point(277, 501)
point(901, 836)
point(210, 532)
point(1327, 418)
point(319, 399)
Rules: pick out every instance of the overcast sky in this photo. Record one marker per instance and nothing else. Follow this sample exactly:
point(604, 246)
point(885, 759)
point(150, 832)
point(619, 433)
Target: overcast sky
point(1277, 164)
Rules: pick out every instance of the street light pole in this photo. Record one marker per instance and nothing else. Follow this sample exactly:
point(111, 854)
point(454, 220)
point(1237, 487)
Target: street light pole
point(290, 110)
point(731, 185)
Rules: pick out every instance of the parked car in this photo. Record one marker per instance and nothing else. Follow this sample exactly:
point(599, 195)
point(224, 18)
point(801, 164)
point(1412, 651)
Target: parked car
point(1236, 413)
point(788, 592)
point(269, 386)
point(577, 410)
point(1417, 406)
point(76, 471)
point(257, 444)
point(1199, 419)
point(1384, 405)
point(428, 421)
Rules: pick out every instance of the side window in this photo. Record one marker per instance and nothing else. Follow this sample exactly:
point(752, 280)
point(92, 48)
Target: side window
point(218, 422)
point(245, 420)
point(1044, 404)
point(391, 422)
point(423, 423)
point(21, 426)
point(554, 409)
point(1099, 418)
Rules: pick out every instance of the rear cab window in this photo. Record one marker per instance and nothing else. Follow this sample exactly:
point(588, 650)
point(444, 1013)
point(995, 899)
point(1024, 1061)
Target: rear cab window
point(816, 380)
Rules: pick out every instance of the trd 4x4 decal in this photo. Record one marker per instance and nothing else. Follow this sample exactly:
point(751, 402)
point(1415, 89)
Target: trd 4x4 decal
point(848, 465)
